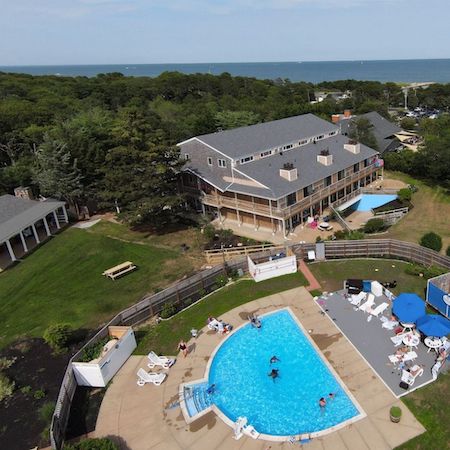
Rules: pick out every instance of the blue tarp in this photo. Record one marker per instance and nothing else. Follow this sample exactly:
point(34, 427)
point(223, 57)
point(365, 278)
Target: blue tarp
point(408, 307)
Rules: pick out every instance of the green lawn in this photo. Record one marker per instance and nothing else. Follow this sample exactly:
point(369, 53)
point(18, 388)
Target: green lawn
point(331, 274)
point(62, 282)
point(431, 407)
point(164, 337)
point(430, 213)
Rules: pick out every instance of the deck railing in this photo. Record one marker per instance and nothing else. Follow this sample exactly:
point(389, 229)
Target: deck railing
point(205, 281)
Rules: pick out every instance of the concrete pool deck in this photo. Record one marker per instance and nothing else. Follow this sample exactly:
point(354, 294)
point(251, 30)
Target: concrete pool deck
point(144, 418)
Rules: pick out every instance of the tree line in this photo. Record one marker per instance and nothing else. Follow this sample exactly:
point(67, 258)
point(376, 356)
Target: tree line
point(112, 138)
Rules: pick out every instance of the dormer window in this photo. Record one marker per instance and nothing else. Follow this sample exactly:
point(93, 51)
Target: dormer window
point(265, 154)
point(186, 157)
point(246, 159)
point(210, 162)
point(221, 163)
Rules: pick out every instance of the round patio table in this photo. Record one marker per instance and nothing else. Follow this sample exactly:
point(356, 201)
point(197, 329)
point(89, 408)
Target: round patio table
point(324, 225)
point(411, 340)
point(433, 343)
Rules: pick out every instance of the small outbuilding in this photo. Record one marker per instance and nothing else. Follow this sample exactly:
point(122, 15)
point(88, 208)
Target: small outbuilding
point(438, 293)
point(108, 356)
point(25, 223)
point(272, 266)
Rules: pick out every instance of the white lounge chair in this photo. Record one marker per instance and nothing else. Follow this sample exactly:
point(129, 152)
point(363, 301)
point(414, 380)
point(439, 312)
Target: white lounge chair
point(311, 255)
point(410, 356)
point(162, 361)
point(367, 305)
point(408, 377)
point(388, 324)
point(215, 325)
point(150, 377)
point(378, 310)
point(356, 300)
point(398, 339)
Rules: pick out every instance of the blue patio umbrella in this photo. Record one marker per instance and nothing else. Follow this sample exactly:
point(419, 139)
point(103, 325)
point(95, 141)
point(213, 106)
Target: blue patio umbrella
point(433, 325)
point(408, 307)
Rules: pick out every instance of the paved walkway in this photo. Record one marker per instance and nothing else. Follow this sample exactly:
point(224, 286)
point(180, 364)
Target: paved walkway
point(313, 284)
point(144, 418)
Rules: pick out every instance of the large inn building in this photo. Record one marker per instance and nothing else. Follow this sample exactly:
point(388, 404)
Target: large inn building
point(275, 175)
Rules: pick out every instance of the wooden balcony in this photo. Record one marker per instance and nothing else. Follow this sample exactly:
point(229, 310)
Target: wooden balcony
point(220, 201)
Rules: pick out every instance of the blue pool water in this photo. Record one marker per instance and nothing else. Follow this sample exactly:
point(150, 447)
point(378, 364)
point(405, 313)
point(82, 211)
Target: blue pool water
point(370, 201)
point(288, 405)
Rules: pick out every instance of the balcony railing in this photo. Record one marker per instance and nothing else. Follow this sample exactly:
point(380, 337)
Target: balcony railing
point(217, 200)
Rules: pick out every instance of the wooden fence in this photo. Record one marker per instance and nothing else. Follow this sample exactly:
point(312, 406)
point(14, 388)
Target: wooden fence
point(189, 290)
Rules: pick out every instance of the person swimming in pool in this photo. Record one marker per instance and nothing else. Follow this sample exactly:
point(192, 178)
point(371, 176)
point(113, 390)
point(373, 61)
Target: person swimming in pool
point(211, 390)
point(274, 374)
point(331, 395)
point(322, 403)
point(274, 359)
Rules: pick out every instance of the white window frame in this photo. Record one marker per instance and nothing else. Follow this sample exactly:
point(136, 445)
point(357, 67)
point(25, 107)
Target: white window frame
point(186, 156)
point(265, 154)
point(222, 163)
point(246, 159)
point(209, 161)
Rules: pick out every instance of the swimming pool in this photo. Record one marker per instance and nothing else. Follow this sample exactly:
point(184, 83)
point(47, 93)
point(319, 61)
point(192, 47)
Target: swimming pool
point(286, 406)
point(367, 202)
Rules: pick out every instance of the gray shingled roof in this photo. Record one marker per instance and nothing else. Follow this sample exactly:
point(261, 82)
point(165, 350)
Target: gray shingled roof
point(304, 158)
point(264, 136)
point(17, 214)
point(382, 128)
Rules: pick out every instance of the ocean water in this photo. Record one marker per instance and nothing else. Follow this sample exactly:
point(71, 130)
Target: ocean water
point(289, 404)
point(437, 70)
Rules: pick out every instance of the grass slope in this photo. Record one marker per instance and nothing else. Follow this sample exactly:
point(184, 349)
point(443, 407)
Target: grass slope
point(430, 213)
point(164, 337)
point(331, 274)
point(62, 282)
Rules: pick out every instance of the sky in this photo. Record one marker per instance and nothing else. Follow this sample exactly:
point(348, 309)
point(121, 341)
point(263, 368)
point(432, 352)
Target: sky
point(57, 32)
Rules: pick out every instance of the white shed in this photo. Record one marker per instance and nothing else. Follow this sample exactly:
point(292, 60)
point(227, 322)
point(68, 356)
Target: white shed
point(272, 266)
point(99, 371)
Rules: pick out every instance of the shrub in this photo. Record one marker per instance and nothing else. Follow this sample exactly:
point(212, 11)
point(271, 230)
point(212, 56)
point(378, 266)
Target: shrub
point(93, 350)
point(221, 280)
point(354, 235)
point(6, 363)
point(447, 252)
point(395, 411)
point(46, 412)
point(209, 232)
point(40, 393)
point(57, 336)
point(25, 390)
point(93, 444)
point(374, 225)
point(404, 195)
point(431, 240)
point(6, 387)
point(168, 310)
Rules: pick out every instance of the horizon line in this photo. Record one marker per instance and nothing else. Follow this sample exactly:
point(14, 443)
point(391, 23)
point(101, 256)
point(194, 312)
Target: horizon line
point(226, 62)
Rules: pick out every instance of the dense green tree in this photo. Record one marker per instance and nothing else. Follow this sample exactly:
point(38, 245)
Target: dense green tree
point(142, 184)
point(56, 172)
point(361, 130)
point(226, 120)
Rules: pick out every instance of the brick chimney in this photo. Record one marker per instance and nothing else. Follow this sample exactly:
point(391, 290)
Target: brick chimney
point(353, 146)
point(335, 118)
point(24, 192)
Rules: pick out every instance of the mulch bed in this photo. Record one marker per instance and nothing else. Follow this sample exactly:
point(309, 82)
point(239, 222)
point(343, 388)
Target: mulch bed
point(35, 368)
